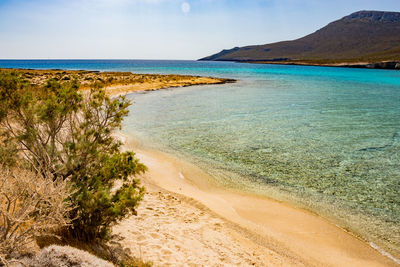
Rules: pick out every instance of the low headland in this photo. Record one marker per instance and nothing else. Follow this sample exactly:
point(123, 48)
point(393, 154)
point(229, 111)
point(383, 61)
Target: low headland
point(187, 218)
point(388, 65)
point(117, 83)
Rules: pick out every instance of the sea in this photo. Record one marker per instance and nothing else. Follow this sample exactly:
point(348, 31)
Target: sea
point(326, 139)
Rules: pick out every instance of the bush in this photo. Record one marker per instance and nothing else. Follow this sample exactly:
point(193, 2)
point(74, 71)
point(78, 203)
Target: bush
point(30, 206)
point(67, 135)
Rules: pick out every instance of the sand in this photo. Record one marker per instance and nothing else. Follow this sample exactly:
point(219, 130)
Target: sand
point(188, 220)
point(163, 83)
point(171, 230)
point(116, 83)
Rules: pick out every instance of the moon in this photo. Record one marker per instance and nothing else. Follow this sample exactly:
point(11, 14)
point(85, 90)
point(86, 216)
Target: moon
point(185, 7)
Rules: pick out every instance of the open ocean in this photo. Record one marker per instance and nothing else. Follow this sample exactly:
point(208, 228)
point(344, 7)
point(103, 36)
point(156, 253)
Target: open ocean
point(326, 139)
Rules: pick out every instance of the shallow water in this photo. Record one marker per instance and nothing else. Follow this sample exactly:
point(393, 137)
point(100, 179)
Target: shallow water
point(325, 138)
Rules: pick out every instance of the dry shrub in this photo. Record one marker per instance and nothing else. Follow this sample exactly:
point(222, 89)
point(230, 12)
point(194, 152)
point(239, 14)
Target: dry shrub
point(30, 206)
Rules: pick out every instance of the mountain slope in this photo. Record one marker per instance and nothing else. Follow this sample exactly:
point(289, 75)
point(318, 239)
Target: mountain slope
point(367, 36)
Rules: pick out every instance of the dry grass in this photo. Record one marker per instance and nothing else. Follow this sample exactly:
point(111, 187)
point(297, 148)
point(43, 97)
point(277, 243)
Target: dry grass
point(33, 211)
point(117, 82)
point(30, 206)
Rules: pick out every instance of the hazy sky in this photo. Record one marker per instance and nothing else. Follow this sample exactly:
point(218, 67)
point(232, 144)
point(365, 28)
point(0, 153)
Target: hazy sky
point(160, 29)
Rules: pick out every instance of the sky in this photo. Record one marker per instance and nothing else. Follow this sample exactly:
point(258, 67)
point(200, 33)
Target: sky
point(160, 29)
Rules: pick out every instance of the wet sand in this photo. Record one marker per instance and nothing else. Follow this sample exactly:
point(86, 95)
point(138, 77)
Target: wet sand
point(282, 234)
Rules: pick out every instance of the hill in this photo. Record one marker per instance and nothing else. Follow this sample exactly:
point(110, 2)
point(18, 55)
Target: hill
point(364, 36)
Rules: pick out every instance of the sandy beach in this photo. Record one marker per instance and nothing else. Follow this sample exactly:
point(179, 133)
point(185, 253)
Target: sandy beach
point(141, 133)
point(187, 219)
point(173, 230)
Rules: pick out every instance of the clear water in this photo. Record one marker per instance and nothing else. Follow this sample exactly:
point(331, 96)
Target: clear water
point(325, 138)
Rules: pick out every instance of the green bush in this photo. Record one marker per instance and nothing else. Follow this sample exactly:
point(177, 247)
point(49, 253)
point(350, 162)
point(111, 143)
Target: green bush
point(62, 133)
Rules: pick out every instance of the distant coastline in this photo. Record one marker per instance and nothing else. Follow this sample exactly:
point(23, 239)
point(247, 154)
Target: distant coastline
point(388, 65)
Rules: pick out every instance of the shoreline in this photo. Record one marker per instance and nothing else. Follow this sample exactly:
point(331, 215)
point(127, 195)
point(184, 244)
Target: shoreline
point(389, 65)
point(293, 233)
point(384, 65)
point(116, 83)
point(244, 213)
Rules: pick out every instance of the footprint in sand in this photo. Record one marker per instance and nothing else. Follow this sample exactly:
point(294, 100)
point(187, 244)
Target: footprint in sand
point(155, 235)
point(155, 247)
point(140, 237)
point(166, 251)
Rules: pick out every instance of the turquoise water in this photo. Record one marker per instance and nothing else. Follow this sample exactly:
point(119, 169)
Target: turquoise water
point(325, 138)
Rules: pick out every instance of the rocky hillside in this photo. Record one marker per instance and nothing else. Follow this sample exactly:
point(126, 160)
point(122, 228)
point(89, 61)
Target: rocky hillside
point(364, 36)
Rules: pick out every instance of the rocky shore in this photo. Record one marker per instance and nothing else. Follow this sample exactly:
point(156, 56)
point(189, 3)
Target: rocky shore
point(389, 65)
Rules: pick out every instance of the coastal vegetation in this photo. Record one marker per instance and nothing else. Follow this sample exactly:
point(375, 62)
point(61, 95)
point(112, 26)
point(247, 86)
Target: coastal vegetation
point(31, 206)
point(63, 172)
point(65, 179)
point(116, 83)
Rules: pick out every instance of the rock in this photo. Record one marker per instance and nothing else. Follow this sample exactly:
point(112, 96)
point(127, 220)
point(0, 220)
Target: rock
point(382, 16)
point(66, 256)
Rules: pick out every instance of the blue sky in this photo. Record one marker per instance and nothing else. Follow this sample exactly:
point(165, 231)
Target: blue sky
point(160, 29)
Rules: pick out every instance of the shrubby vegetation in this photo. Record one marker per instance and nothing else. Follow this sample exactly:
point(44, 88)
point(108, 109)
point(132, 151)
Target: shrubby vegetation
point(65, 136)
point(30, 206)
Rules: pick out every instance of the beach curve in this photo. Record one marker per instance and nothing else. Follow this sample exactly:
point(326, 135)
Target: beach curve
point(298, 236)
